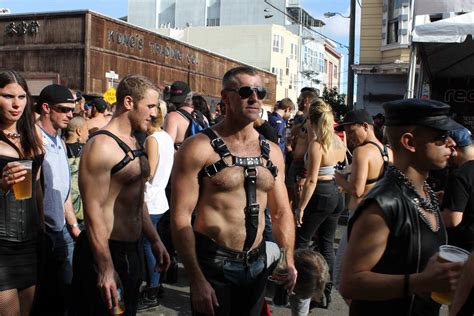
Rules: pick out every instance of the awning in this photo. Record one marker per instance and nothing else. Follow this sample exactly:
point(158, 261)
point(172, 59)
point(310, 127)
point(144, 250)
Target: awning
point(446, 46)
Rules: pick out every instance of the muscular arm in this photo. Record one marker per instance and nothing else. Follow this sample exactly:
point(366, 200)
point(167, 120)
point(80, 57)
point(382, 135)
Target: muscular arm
point(314, 157)
point(359, 171)
point(184, 196)
point(283, 225)
point(367, 244)
point(153, 154)
point(95, 169)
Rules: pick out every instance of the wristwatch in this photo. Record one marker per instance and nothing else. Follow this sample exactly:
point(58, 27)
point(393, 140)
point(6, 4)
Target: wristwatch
point(74, 225)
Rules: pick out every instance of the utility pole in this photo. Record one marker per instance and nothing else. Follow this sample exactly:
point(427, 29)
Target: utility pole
point(350, 72)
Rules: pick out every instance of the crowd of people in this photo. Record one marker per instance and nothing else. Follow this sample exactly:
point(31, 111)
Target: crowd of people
point(120, 193)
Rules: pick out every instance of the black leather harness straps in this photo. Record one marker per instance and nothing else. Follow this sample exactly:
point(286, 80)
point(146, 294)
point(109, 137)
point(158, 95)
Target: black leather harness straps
point(250, 165)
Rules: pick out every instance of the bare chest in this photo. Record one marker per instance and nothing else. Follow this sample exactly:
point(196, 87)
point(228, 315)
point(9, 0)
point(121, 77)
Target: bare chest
point(233, 178)
point(133, 173)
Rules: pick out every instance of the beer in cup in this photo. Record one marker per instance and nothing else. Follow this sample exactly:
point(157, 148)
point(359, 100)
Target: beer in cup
point(23, 189)
point(448, 253)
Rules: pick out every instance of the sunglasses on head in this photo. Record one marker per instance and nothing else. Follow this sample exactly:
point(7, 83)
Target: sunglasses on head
point(62, 109)
point(246, 92)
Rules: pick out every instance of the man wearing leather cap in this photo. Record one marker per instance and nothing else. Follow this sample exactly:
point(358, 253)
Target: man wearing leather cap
point(227, 175)
point(390, 265)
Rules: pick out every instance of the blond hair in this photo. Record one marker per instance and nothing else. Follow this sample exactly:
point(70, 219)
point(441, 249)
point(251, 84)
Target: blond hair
point(322, 121)
point(156, 124)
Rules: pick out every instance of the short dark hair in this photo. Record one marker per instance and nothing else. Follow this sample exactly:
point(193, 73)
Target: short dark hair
point(312, 95)
point(394, 133)
point(134, 86)
point(229, 77)
point(285, 103)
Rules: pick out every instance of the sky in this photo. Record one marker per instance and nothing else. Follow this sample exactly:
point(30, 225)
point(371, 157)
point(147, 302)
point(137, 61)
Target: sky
point(336, 27)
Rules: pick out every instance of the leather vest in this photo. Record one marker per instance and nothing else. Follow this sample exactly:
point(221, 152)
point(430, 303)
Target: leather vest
point(409, 246)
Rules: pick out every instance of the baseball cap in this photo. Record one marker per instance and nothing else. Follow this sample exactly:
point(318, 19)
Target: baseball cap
point(54, 94)
point(462, 137)
point(100, 104)
point(422, 112)
point(359, 116)
point(178, 92)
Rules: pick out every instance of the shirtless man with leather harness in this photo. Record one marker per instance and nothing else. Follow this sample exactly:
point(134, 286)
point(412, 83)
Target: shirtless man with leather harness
point(112, 177)
point(227, 175)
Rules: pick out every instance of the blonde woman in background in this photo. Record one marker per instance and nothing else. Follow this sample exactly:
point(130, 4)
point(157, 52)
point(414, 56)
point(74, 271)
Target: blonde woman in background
point(321, 202)
point(160, 152)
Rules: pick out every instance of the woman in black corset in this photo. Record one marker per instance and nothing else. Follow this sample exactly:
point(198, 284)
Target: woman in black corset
point(20, 220)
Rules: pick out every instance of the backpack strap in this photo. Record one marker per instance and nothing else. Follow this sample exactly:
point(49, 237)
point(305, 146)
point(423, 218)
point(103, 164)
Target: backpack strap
point(129, 153)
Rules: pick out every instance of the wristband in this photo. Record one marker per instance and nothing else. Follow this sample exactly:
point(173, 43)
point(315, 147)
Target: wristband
point(406, 285)
point(74, 225)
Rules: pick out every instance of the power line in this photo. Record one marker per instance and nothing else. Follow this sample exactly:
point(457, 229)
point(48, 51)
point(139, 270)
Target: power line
point(309, 28)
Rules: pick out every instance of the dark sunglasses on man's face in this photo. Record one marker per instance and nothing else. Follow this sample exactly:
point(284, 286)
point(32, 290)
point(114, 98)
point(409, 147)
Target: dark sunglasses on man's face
point(62, 109)
point(441, 139)
point(246, 92)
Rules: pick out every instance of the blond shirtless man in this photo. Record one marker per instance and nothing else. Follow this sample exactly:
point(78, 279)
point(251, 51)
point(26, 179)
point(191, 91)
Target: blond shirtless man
point(227, 182)
point(112, 187)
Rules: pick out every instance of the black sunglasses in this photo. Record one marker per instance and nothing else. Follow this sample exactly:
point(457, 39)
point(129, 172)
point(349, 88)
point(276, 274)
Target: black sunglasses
point(246, 92)
point(441, 139)
point(62, 109)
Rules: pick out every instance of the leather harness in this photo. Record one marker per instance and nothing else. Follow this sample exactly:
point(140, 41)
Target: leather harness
point(130, 154)
point(250, 165)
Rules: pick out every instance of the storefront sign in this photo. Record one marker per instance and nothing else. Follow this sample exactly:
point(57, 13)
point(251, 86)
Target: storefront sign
point(22, 28)
point(135, 41)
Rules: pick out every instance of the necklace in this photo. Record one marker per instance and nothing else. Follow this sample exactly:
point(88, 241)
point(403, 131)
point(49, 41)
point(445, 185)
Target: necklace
point(12, 135)
point(423, 205)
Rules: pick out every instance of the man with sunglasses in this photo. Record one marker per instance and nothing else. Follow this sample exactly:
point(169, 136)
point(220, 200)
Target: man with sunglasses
point(390, 265)
point(55, 105)
point(227, 176)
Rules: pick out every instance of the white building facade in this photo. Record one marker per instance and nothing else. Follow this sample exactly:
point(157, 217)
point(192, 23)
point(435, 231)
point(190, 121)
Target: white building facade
point(268, 47)
point(282, 31)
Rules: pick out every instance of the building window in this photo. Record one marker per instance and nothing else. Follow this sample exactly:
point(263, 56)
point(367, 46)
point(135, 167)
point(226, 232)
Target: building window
point(278, 43)
point(335, 72)
point(321, 63)
point(213, 22)
point(325, 70)
point(293, 51)
point(392, 18)
point(287, 66)
point(281, 77)
point(286, 93)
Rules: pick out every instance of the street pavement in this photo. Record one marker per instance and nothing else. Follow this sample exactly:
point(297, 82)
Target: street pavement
point(176, 300)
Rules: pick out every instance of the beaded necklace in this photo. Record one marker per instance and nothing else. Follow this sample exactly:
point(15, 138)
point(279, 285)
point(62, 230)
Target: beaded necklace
point(423, 205)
